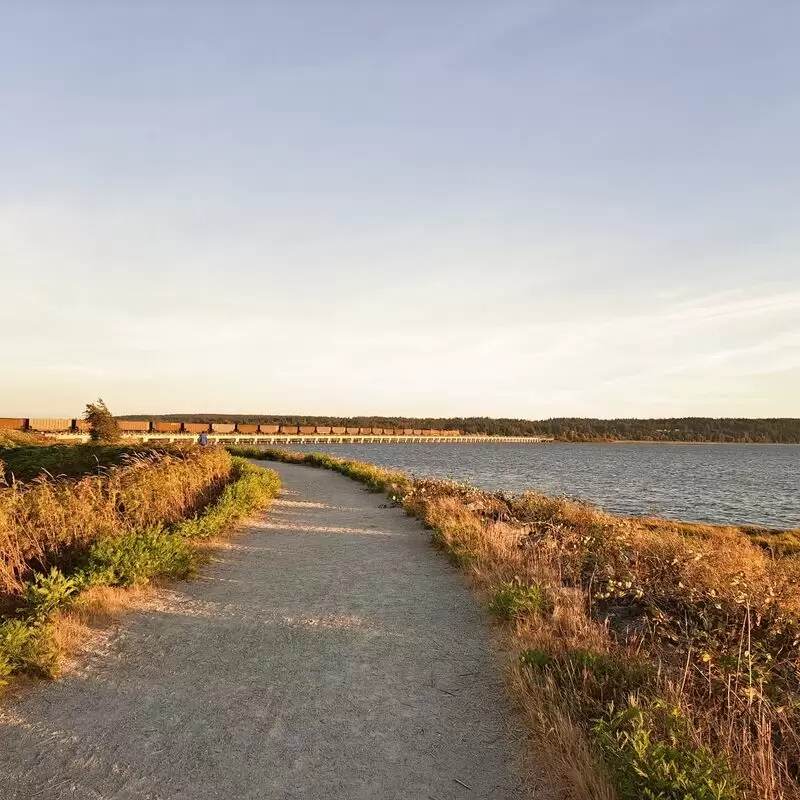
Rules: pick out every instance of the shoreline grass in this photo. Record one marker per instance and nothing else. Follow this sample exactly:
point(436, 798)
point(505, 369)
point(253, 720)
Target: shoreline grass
point(654, 659)
point(35, 636)
point(53, 522)
point(24, 463)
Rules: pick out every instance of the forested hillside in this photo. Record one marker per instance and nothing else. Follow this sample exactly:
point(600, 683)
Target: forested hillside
point(687, 429)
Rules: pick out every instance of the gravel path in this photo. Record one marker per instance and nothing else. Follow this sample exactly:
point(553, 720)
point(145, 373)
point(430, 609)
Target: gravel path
point(327, 654)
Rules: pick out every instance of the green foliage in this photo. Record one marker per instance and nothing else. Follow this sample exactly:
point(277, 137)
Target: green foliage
point(28, 647)
point(69, 460)
point(103, 426)
point(136, 558)
point(651, 756)
point(26, 643)
point(48, 592)
point(251, 490)
point(516, 599)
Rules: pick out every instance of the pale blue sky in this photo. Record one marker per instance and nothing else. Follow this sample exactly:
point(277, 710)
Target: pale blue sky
point(507, 208)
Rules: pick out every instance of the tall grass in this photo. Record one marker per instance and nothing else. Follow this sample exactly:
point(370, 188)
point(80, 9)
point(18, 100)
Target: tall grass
point(53, 522)
point(25, 462)
point(29, 636)
point(655, 659)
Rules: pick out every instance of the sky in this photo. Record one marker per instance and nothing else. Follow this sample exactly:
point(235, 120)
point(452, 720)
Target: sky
point(503, 208)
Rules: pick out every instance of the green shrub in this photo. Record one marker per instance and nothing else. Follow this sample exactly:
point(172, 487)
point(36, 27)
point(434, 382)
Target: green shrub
point(48, 592)
point(27, 647)
point(136, 558)
point(102, 425)
point(651, 756)
point(515, 599)
point(27, 644)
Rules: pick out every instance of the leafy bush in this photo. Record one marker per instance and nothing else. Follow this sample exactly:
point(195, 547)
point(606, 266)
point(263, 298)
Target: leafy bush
point(48, 592)
point(652, 757)
point(515, 599)
point(134, 559)
point(102, 425)
point(29, 647)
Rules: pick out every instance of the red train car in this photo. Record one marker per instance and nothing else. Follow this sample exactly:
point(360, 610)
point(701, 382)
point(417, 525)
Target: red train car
point(12, 424)
point(159, 426)
point(134, 425)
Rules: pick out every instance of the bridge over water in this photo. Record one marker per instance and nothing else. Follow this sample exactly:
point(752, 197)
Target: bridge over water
point(283, 439)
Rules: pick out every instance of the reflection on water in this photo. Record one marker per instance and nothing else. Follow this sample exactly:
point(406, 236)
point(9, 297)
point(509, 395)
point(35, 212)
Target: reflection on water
point(739, 484)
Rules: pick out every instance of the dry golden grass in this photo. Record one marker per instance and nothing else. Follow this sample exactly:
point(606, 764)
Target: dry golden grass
point(95, 610)
point(47, 522)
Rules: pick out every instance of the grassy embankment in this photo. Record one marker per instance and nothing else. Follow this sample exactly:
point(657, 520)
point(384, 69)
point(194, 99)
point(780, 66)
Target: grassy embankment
point(26, 462)
point(653, 659)
point(66, 543)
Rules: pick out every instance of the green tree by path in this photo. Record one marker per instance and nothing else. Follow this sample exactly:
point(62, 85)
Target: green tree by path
point(103, 426)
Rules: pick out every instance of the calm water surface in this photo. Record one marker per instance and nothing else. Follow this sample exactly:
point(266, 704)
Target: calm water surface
point(738, 484)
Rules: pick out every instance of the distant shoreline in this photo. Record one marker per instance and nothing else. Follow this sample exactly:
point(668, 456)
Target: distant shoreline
point(674, 442)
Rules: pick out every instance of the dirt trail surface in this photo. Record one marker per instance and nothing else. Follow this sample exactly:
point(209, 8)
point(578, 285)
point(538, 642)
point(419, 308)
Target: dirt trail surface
point(328, 654)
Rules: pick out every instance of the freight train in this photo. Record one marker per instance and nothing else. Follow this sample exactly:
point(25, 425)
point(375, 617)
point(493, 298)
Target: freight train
point(160, 426)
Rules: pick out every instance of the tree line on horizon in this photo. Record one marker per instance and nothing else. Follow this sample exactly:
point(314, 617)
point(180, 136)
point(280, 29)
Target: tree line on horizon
point(568, 429)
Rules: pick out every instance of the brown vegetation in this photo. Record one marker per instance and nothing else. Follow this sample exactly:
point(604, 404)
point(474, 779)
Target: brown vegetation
point(148, 528)
point(50, 522)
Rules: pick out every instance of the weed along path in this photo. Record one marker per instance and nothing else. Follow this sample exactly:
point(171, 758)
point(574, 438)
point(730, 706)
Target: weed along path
point(327, 653)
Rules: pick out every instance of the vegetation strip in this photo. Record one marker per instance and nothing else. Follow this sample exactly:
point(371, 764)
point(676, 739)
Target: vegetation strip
point(654, 659)
point(125, 556)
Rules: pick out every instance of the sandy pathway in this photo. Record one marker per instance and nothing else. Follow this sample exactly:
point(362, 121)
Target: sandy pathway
point(328, 654)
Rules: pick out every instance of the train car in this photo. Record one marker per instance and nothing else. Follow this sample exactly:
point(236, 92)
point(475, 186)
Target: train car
point(389, 431)
point(243, 427)
point(427, 432)
point(12, 424)
point(338, 431)
point(160, 426)
point(352, 431)
point(307, 429)
point(269, 428)
point(50, 425)
point(195, 427)
point(134, 425)
point(83, 425)
point(408, 431)
point(451, 433)
point(324, 430)
point(365, 431)
point(290, 429)
point(223, 427)
point(417, 432)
